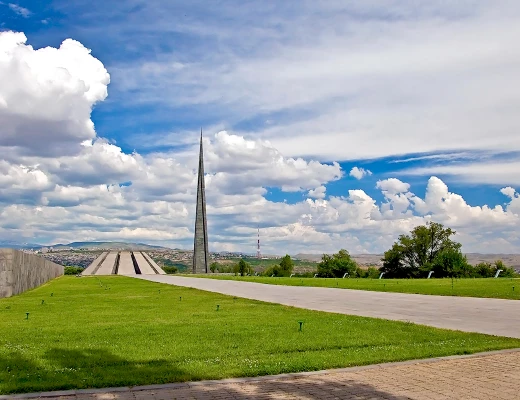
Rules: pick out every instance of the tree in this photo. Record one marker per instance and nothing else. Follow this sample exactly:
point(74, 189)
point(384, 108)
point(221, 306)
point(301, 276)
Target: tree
point(337, 265)
point(426, 247)
point(213, 266)
point(507, 272)
point(286, 265)
point(452, 263)
point(484, 270)
point(242, 268)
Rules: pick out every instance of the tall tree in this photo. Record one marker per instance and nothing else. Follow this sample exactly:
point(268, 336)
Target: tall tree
point(286, 265)
point(424, 248)
point(337, 265)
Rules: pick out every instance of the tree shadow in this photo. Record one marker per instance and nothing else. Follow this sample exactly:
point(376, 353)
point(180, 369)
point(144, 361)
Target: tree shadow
point(61, 369)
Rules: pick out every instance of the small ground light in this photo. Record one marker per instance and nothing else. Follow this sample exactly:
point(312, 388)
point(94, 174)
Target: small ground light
point(26, 315)
point(180, 298)
point(218, 306)
point(301, 326)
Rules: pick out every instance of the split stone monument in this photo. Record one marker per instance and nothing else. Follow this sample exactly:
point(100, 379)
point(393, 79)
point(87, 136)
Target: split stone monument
point(200, 248)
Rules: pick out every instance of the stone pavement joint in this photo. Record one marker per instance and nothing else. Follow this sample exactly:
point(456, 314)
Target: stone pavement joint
point(484, 376)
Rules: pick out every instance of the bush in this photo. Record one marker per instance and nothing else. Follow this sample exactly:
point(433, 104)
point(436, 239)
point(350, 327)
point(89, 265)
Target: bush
point(484, 270)
point(507, 272)
point(274, 270)
point(372, 273)
point(71, 270)
point(169, 269)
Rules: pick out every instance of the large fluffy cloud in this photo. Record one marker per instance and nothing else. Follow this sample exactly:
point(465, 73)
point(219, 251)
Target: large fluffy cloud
point(46, 96)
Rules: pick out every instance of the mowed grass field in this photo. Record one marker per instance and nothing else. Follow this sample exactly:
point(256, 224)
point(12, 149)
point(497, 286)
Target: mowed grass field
point(118, 331)
point(500, 288)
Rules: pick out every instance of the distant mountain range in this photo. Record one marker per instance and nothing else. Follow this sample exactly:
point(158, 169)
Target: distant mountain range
point(81, 245)
point(9, 244)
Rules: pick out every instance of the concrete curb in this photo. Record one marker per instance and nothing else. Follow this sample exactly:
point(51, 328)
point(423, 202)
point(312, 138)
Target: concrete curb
point(294, 375)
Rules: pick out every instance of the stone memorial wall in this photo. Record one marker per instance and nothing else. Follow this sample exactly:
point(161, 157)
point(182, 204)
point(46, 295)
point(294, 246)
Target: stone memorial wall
point(20, 271)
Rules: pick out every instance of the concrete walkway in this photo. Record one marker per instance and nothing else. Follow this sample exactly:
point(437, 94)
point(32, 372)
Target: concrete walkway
point(491, 316)
point(479, 377)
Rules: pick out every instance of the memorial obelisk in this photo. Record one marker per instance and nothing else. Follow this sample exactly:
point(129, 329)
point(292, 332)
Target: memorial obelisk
point(200, 250)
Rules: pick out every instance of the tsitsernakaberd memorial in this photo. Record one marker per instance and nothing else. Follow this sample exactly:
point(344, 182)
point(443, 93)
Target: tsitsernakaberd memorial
point(200, 249)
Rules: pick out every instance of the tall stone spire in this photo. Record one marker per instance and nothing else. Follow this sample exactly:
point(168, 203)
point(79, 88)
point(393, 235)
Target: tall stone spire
point(200, 250)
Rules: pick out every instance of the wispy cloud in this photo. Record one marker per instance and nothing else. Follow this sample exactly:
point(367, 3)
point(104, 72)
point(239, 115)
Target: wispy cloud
point(24, 12)
point(487, 172)
point(369, 83)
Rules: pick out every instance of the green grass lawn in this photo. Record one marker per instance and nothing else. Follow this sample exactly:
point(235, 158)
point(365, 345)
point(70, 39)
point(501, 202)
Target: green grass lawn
point(500, 288)
point(118, 331)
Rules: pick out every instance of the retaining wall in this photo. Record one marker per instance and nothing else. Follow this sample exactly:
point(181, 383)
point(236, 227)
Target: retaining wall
point(20, 271)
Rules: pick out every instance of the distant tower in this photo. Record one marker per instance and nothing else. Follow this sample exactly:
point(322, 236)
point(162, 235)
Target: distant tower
point(258, 255)
point(200, 250)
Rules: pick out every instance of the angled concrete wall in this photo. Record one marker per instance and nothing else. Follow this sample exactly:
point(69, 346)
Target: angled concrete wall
point(20, 271)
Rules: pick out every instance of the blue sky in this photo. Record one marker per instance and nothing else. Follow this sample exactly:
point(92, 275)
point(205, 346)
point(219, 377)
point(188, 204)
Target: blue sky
point(402, 90)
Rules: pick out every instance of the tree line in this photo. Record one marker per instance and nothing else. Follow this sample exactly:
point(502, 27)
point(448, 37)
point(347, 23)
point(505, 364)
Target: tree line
point(427, 248)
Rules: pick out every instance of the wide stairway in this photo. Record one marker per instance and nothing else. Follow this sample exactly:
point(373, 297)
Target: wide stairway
point(123, 263)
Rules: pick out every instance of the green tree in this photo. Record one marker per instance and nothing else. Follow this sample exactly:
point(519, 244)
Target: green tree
point(412, 256)
point(484, 270)
point(214, 266)
point(337, 265)
point(242, 268)
point(286, 265)
point(452, 263)
point(507, 272)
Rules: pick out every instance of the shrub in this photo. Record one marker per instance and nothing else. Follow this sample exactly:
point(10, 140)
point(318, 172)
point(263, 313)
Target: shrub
point(72, 270)
point(170, 269)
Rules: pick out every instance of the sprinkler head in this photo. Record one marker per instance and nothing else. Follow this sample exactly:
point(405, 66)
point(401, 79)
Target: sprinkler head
point(218, 306)
point(26, 315)
point(301, 326)
point(43, 301)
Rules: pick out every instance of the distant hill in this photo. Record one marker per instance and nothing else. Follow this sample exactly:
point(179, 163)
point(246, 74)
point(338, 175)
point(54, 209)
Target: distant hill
point(9, 244)
point(82, 245)
point(106, 245)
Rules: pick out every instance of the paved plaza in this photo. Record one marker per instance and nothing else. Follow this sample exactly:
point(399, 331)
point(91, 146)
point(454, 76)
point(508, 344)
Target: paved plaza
point(491, 376)
point(491, 316)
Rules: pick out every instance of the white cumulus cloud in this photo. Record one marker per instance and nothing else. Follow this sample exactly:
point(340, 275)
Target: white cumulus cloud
point(46, 96)
point(359, 173)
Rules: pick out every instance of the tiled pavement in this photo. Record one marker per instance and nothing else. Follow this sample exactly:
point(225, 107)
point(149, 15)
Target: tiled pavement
point(494, 375)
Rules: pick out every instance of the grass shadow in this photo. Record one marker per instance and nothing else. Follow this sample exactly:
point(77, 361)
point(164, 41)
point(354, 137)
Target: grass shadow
point(61, 369)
